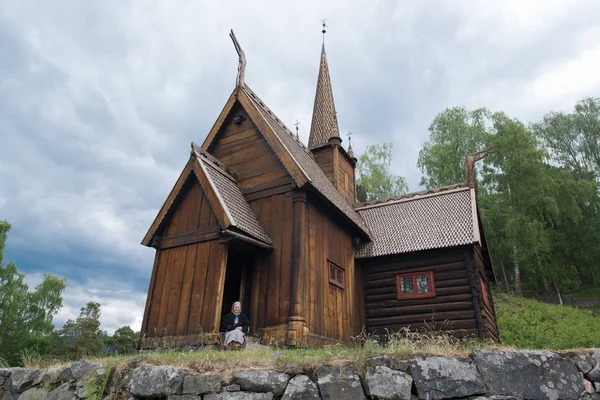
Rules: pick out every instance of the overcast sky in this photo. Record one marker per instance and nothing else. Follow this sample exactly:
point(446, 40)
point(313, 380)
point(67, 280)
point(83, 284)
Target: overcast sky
point(99, 101)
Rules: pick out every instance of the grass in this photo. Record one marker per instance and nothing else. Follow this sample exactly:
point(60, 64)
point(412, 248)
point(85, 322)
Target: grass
point(530, 324)
point(525, 324)
point(404, 345)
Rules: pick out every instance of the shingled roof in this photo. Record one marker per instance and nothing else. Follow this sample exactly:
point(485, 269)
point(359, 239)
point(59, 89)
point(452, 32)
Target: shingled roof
point(430, 219)
point(306, 162)
point(324, 123)
point(240, 215)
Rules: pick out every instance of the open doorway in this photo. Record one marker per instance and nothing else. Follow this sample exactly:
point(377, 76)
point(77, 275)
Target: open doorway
point(238, 280)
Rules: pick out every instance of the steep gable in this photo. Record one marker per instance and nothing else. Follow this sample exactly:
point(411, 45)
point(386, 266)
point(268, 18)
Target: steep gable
point(205, 199)
point(240, 145)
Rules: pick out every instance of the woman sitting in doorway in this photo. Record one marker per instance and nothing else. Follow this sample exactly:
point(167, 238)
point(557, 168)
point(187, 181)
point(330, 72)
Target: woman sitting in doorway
point(236, 325)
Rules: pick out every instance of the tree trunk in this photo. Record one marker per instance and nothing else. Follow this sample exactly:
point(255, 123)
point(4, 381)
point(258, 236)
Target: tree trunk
point(560, 300)
point(518, 291)
point(506, 285)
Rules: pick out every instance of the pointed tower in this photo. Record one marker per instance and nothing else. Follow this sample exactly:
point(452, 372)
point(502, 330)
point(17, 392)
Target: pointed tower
point(324, 141)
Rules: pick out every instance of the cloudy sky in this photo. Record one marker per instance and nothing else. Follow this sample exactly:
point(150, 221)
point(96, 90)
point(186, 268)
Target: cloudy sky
point(99, 101)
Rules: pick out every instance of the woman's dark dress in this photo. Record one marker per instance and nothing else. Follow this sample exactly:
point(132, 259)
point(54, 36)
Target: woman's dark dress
point(227, 324)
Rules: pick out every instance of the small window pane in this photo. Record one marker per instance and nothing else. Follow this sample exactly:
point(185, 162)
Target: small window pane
point(339, 276)
point(332, 273)
point(423, 284)
point(406, 286)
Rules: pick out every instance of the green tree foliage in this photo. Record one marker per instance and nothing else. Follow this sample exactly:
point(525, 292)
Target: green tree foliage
point(541, 216)
point(454, 134)
point(574, 139)
point(83, 337)
point(375, 179)
point(25, 316)
point(123, 340)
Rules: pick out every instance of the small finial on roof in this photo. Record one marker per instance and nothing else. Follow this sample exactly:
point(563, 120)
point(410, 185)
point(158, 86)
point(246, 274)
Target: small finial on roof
point(296, 124)
point(323, 32)
point(350, 151)
point(239, 80)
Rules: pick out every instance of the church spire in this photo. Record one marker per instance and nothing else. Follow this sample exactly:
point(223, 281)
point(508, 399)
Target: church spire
point(324, 120)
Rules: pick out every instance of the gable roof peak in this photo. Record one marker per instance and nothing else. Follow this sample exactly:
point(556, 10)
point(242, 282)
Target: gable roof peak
point(324, 119)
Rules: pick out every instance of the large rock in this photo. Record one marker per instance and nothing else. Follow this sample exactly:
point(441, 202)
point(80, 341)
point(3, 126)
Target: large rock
point(155, 382)
point(385, 383)
point(594, 374)
point(532, 375)
point(63, 392)
point(201, 384)
point(301, 387)
point(184, 397)
point(339, 383)
point(584, 363)
point(390, 362)
point(81, 368)
point(262, 381)
point(34, 394)
point(239, 396)
point(23, 379)
point(57, 375)
point(443, 378)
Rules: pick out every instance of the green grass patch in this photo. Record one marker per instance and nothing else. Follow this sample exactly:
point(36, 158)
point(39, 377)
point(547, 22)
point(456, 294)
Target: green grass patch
point(530, 324)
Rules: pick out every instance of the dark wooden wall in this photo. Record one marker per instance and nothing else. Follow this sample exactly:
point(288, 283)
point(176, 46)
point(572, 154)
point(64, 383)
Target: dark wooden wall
point(338, 168)
point(271, 276)
point(187, 280)
point(453, 301)
point(245, 152)
point(329, 310)
point(488, 312)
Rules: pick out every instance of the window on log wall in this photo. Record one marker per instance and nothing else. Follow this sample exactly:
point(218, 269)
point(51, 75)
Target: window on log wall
point(415, 285)
point(336, 275)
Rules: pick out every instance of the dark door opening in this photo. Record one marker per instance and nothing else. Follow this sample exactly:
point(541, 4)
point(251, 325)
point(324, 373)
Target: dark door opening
point(238, 280)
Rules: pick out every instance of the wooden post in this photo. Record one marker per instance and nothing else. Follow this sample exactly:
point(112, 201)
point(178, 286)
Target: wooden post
point(474, 292)
point(298, 274)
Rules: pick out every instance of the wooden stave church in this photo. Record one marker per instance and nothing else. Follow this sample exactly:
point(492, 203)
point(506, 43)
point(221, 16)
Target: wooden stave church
point(259, 217)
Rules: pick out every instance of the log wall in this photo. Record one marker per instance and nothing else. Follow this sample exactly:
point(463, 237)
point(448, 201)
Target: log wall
point(452, 308)
point(486, 301)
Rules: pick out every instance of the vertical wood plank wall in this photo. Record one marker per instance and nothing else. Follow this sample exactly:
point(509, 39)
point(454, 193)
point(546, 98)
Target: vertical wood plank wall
point(179, 300)
point(488, 313)
point(271, 275)
point(245, 152)
point(329, 310)
point(453, 300)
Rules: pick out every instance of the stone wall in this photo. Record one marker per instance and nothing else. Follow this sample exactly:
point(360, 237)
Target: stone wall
point(484, 375)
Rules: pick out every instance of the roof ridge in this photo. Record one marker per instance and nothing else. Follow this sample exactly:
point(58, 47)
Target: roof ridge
point(413, 196)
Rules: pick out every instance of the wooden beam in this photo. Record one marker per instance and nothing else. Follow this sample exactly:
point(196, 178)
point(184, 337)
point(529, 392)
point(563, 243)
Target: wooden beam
point(474, 294)
point(298, 273)
point(247, 239)
point(195, 236)
point(168, 203)
point(220, 120)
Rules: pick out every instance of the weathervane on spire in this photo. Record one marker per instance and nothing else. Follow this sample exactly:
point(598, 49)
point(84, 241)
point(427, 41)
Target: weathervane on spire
point(350, 151)
point(296, 124)
point(323, 21)
point(239, 80)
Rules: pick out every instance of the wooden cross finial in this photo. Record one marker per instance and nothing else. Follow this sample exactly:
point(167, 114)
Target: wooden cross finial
point(470, 164)
point(349, 135)
point(296, 124)
point(239, 80)
point(323, 32)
